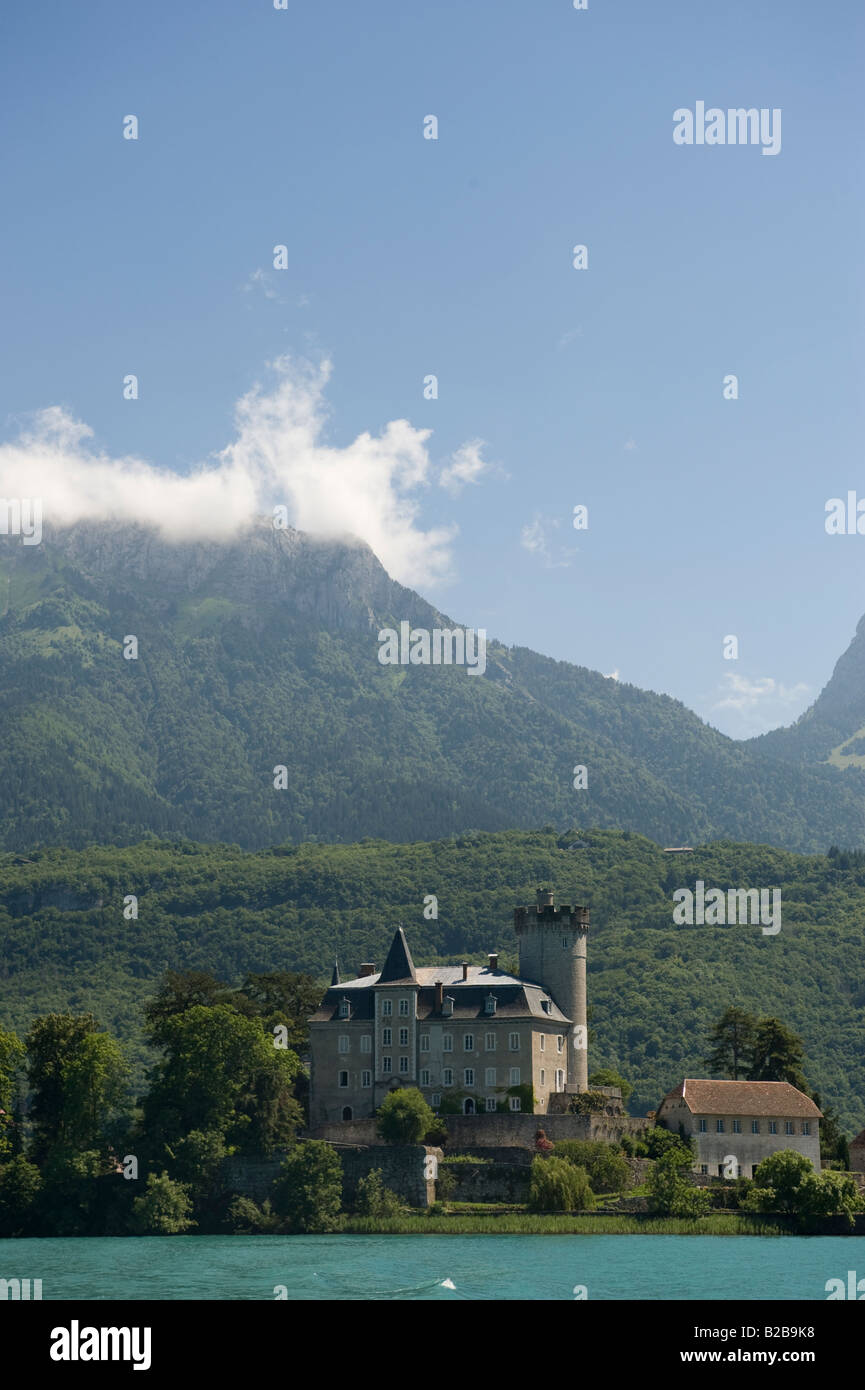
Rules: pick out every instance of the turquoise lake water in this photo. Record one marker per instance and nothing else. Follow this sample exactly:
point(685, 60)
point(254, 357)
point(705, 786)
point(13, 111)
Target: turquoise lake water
point(417, 1267)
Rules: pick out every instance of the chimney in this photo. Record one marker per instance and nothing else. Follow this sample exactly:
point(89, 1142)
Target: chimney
point(494, 961)
point(465, 966)
point(546, 897)
point(367, 969)
point(440, 994)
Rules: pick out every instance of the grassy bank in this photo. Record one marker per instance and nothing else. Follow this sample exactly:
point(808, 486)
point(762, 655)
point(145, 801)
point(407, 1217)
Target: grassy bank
point(526, 1224)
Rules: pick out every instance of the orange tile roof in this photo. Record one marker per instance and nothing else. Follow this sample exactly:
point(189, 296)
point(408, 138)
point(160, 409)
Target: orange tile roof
point(744, 1098)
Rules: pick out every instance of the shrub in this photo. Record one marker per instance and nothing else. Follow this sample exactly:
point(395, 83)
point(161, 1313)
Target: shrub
point(247, 1218)
point(557, 1185)
point(374, 1199)
point(404, 1117)
point(163, 1209)
point(607, 1170)
point(307, 1191)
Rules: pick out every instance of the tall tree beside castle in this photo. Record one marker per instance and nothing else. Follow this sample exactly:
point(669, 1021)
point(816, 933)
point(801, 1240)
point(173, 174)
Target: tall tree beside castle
point(733, 1043)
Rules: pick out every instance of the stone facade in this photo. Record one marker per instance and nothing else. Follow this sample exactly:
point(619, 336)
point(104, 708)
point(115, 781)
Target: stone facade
point(403, 1170)
point(857, 1153)
point(736, 1124)
point(470, 1038)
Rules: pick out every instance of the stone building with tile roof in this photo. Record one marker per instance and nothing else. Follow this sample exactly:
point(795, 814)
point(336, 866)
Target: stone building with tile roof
point(736, 1124)
point(470, 1038)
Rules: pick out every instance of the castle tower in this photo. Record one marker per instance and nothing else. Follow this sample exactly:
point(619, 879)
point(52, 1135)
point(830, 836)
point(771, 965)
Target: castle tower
point(553, 953)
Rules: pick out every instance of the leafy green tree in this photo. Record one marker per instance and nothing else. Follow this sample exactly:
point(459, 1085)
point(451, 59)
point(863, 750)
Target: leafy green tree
point(163, 1209)
point(404, 1117)
point(20, 1186)
point(247, 1218)
point(71, 1201)
point(179, 991)
point(660, 1141)
point(732, 1041)
point(557, 1185)
point(218, 1066)
point(374, 1199)
point(608, 1077)
point(786, 1183)
point(12, 1053)
point(78, 1080)
point(307, 1192)
point(608, 1171)
point(778, 1182)
point(282, 997)
point(670, 1192)
point(777, 1055)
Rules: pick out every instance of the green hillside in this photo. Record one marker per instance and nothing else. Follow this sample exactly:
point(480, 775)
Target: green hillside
point(655, 988)
point(263, 653)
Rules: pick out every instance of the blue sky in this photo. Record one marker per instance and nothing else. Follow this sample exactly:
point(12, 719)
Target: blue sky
point(408, 256)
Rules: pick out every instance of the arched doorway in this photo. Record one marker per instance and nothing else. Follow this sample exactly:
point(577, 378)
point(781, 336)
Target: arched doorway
point(346, 1112)
point(468, 1106)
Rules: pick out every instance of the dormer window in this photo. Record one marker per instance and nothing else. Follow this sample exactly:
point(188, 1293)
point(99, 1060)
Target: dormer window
point(344, 1008)
point(545, 1005)
point(447, 1006)
point(490, 1005)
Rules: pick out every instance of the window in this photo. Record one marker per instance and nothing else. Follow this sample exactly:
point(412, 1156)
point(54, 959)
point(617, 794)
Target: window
point(788, 1126)
point(468, 1042)
point(346, 1112)
point(560, 1042)
point(755, 1126)
point(490, 1076)
point(806, 1126)
point(343, 1042)
point(447, 1007)
point(343, 1078)
point(719, 1126)
point(366, 1078)
point(435, 1100)
point(403, 1065)
point(424, 1078)
point(386, 1037)
point(386, 1065)
point(366, 1043)
point(773, 1126)
point(560, 1080)
point(490, 1042)
point(515, 1076)
point(737, 1126)
point(514, 1042)
point(703, 1126)
point(469, 1076)
point(403, 1008)
point(720, 1170)
point(564, 943)
point(543, 1042)
point(447, 1042)
point(403, 1037)
point(490, 1004)
point(387, 1007)
point(543, 1077)
point(491, 1104)
point(424, 1042)
point(344, 1008)
point(515, 1103)
point(447, 1077)
point(704, 1167)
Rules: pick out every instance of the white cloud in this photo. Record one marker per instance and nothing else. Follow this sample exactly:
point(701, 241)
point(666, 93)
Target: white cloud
point(260, 280)
point(752, 706)
point(466, 466)
point(368, 489)
point(536, 537)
